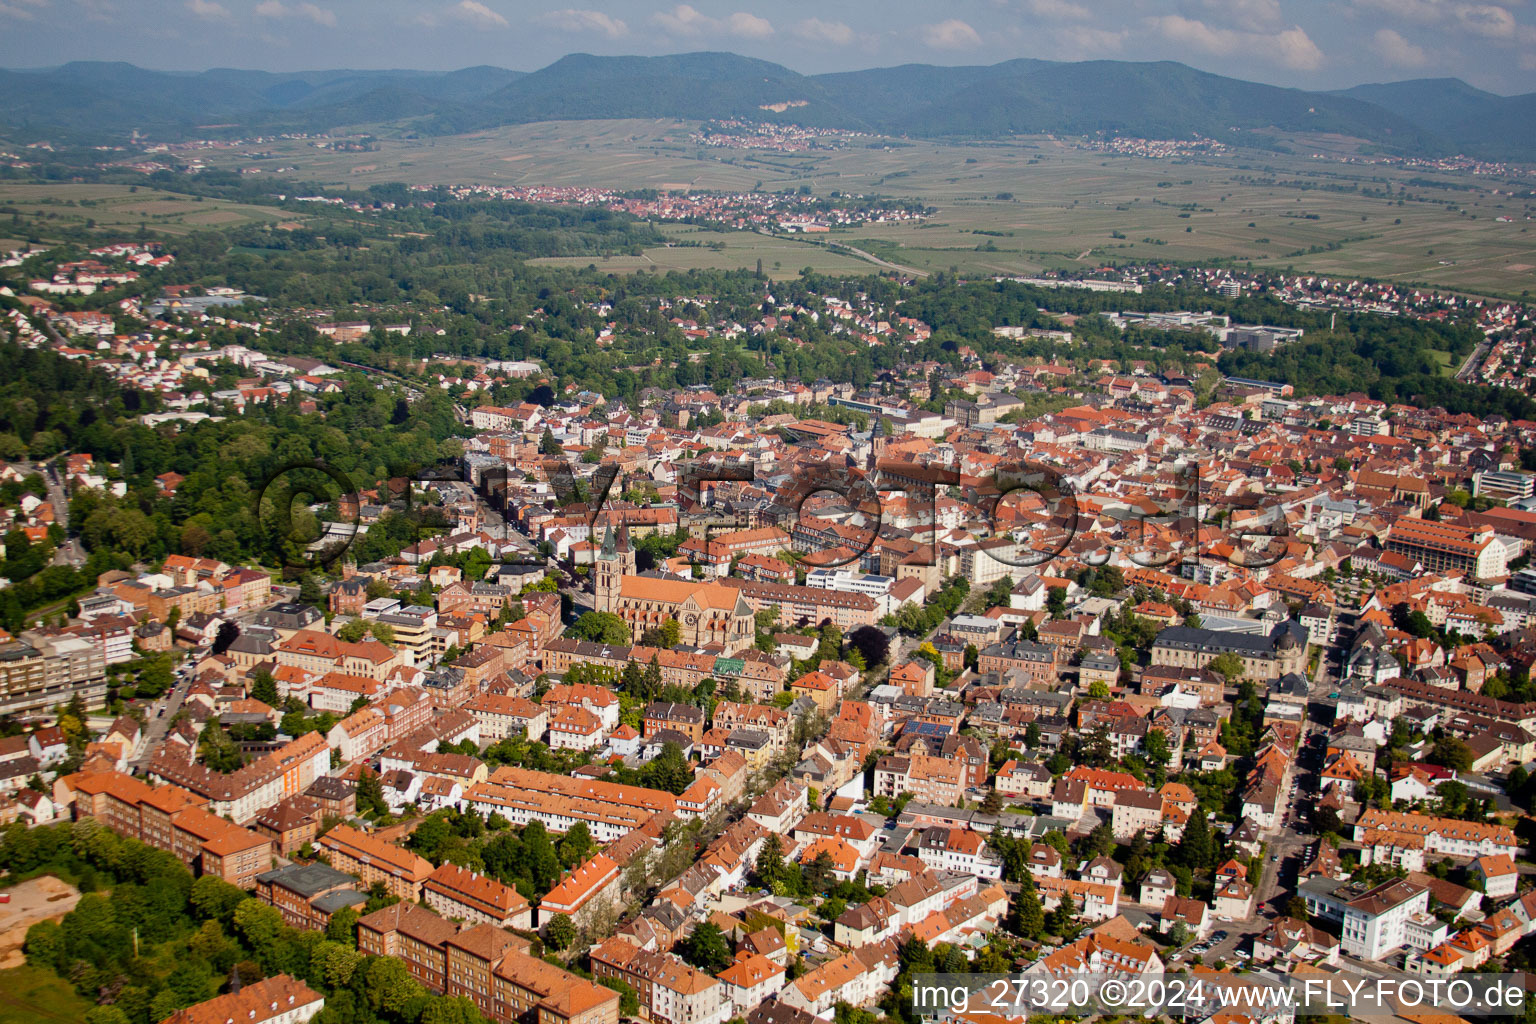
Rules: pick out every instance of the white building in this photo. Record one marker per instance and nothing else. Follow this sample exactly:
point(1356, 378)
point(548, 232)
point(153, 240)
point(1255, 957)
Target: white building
point(1376, 923)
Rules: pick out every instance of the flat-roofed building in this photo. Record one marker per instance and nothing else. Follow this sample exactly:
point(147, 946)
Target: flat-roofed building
point(294, 889)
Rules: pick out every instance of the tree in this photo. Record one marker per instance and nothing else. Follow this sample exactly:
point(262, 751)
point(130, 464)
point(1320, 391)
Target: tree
point(1099, 842)
point(548, 445)
point(1158, 751)
point(1198, 847)
point(451, 1010)
point(601, 628)
point(818, 873)
point(1056, 602)
point(560, 933)
point(575, 845)
point(629, 1001)
point(370, 793)
point(770, 865)
point(669, 770)
point(915, 956)
point(540, 856)
point(1098, 690)
point(1025, 915)
point(871, 642)
point(353, 631)
point(431, 838)
point(706, 948)
point(830, 645)
point(342, 927)
point(1227, 665)
point(215, 899)
point(1518, 784)
point(389, 985)
point(633, 681)
point(264, 688)
point(1063, 920)
point(1452, 753)
point(336, 962)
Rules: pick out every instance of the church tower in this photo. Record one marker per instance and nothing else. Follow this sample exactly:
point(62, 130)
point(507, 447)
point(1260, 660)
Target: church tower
point(877, 442)
point(615, 560)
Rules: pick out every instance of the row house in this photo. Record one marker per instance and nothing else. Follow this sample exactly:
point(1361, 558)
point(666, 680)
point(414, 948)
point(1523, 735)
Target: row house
point(585, 895)
point(360, 735)
point(670, 991)
point(502, 716)
point(243, 794)
point(458, 893)
point(402, 872)
point(168, 818)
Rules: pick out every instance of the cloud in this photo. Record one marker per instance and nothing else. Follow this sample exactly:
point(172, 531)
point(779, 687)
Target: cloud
point(1057, 10)
point(684, 20)
point(1297, 50)
point(1248, 14)
point(1397, 51)
point(953, 34)
point(1292, 48)
point(18, 9)
point(748, 26)
point(1196, 33)
point(476, 14)
point(277, 9)
point(1487, 20)
point(585, 22)
point(814, 30)
point(1491, 21)
point(207, 9)
point(1422, 11)
point(1084, 40)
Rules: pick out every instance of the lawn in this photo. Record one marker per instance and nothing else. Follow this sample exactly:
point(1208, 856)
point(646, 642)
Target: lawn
point(29, 994)
point(125, 208)
point(782, 257)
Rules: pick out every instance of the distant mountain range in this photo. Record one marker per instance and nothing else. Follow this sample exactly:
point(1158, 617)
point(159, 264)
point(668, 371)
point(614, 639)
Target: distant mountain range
point(88, 101)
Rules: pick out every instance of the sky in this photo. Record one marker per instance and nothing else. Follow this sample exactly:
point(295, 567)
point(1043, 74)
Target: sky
point(1305, 43)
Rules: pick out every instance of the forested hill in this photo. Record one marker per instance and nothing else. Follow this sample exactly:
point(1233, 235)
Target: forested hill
point(86, 101)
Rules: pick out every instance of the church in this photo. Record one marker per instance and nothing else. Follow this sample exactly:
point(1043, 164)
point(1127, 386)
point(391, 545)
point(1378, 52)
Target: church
point(706, 613)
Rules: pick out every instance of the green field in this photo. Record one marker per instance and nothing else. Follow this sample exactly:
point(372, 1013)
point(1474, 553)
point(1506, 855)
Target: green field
point(124, 207)
point(28, 995)
point(781, 257)
point(1069, 207)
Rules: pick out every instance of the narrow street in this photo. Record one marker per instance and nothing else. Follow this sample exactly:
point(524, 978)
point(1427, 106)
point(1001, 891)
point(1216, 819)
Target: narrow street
point(69, 552)
point(161, 713)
